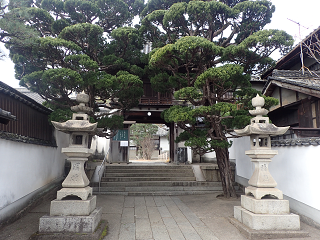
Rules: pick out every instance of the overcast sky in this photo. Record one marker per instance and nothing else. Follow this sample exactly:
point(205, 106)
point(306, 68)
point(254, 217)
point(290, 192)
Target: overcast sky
point(305, 12)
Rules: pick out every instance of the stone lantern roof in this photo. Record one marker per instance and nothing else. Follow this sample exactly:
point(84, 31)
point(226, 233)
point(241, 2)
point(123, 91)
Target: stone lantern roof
point(80, 120)
point(259, 124)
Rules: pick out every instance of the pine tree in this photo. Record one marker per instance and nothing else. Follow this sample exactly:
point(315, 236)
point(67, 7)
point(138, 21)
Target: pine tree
point(205, 52)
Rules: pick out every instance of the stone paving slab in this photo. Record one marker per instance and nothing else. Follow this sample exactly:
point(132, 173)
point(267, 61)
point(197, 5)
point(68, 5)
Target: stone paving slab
point(143, 228)
point(173, 229)
point(203, 217)
point(127, 232)
point(154, 216)
point(129, 201)
point(161, 217)
point(114, 225)
point(127, 215)
point(150, 201)
point(141, 212)
point(160, 232)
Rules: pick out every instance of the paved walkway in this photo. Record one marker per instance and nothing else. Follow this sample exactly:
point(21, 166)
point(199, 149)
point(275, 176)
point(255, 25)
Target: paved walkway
point(153, 217)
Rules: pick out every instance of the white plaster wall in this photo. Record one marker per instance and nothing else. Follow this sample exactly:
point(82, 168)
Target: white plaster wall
point(210, 155)
point(275, 94)
point(295, 169)
point(164, 144)
point(24, 168)
point(100, 143)
point(244, 167)
point(189, 153)
point(288, 96)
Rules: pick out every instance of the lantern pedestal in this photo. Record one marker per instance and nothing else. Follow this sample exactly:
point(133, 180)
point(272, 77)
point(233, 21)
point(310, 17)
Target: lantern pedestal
point(262, 207)
point(273, 222)
point(73, 207)
point(267, 206)
point(70, 224)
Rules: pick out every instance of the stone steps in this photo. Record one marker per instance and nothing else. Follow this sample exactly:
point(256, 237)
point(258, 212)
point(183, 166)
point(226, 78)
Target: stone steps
point(112, 167)
point(138, 180)
point(159, 193)
point(148, 174)
point(212, 187)
point(157, 183)
point(158, 188)
point(169, 171)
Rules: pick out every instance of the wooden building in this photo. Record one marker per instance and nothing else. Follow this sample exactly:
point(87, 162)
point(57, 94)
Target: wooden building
point(295, 82)
point(30, 119)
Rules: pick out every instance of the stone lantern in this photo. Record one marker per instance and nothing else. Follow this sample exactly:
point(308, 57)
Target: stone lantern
point(74, 210)
point(262, 206)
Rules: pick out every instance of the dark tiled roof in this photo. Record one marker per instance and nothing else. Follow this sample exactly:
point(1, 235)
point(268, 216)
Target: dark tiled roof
point(310, 80)
point(6, 89)
point(296, 142)
point(32, 95)
point(7, 115)
point(295, 74)
point(25, 139)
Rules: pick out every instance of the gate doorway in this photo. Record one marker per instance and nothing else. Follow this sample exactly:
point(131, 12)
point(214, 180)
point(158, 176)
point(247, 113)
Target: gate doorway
point(149, 143)
point(165, 147)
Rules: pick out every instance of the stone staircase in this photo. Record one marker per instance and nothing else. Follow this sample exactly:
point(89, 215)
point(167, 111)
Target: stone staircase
point(142, 179)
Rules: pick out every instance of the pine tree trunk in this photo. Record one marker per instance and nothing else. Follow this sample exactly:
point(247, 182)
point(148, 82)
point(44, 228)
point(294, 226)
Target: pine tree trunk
point(222, 155)
point(223, 161)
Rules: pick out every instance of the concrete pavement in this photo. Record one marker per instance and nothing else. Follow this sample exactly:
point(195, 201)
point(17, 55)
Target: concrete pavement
point(153, 217)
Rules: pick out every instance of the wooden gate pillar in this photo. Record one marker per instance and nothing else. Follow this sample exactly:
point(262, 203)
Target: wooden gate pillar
point(171, 139)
